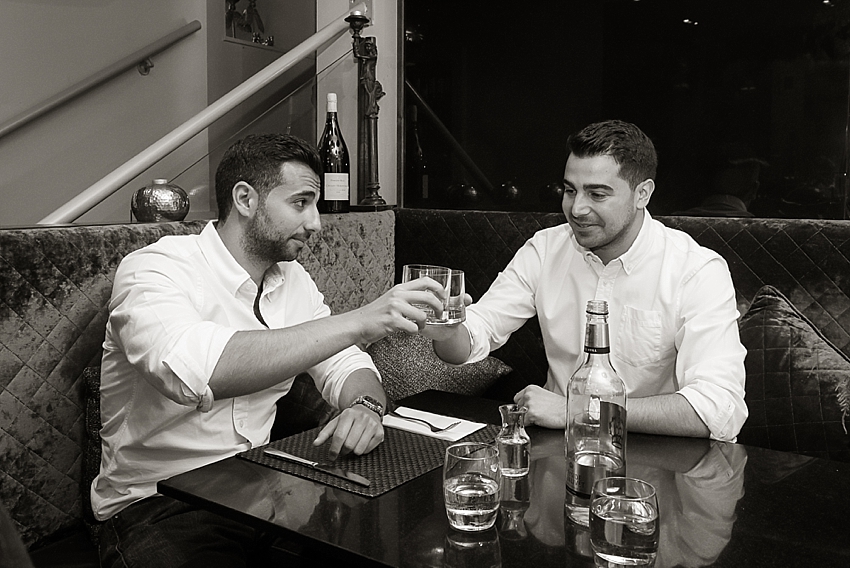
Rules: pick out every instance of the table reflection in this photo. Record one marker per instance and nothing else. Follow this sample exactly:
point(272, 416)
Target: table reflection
point(515, 500)
point(699, 483)
point(472, 549)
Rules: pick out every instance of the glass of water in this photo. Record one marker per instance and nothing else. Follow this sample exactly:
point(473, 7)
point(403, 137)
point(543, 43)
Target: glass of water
point(440, 274)
point(454, 309)
point(471, 481)
point(624, 521)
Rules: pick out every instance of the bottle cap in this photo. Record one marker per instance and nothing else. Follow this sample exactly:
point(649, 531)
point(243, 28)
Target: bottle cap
point(331, 102)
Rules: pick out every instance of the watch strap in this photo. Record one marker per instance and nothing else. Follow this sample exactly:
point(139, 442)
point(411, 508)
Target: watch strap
point(370, 403)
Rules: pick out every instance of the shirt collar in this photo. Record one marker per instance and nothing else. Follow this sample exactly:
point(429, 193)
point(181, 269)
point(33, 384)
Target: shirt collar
point(641, 247)
point(230, 273)
point(632, 257)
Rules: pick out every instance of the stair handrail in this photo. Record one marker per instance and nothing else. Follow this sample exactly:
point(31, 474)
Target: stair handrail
point(112, 182)
point(135, 59)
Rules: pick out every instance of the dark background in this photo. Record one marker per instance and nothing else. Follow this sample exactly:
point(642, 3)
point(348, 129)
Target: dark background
point(703, 78)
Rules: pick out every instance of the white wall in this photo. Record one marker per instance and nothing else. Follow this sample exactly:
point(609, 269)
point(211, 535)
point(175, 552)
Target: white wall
point(48, 46)
point(342, 79)
point(287, 103)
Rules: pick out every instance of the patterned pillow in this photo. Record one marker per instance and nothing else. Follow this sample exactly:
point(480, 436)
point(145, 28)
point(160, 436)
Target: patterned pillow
point(798, 383)
point(409, 365)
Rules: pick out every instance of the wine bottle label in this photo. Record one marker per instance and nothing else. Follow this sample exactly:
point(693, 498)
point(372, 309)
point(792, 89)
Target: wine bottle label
point(336, 187)
point(596, 350)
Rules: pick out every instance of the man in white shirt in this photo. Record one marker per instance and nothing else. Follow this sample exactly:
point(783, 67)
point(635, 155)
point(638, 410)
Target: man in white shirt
point(205, 333)
point(672, 310)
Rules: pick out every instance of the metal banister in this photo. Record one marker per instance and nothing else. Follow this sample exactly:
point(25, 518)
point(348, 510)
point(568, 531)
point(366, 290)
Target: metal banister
point(74, 91)
point(108, 185)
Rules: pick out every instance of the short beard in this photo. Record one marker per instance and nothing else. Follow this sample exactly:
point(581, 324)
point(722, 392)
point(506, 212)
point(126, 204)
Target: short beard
point(263, 246)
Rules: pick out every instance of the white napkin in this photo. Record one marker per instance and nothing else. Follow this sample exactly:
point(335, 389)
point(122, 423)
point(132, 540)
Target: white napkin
point(465, 427)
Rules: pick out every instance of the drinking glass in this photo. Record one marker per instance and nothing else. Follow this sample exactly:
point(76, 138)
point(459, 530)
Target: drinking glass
point(624, 522)
point(454, 310)
point(471, 480)
point(438, 273)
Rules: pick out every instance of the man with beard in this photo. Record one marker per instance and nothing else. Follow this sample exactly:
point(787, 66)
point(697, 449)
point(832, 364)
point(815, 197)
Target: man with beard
point(205, 333)
point(672, 311)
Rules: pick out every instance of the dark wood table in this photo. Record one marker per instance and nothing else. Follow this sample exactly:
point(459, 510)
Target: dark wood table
point(721, 504)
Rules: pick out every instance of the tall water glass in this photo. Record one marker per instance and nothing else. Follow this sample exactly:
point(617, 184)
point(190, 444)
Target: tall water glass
point(471, 480)
point(624, 522)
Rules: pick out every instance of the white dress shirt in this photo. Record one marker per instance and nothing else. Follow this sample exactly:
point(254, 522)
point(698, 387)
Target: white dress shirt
point(175, 305)
point(672, 317)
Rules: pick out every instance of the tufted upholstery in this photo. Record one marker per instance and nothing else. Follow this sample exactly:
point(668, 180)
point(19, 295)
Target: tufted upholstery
point(798, 383)
point(56, 283)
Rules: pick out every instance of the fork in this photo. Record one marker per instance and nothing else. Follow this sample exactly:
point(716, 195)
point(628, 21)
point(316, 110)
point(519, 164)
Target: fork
point(425, 422)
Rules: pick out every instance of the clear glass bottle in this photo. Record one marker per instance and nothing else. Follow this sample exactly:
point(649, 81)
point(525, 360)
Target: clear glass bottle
point(336, 186)
point(513, 441)
point(596, 417)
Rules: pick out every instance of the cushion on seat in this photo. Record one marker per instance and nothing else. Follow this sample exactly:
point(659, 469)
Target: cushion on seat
point(798, 382)
point(408, 365)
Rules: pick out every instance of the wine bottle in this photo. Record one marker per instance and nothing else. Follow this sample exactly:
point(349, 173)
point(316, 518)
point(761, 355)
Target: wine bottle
point(596, 418)
point(417, 164)
point(336, 192)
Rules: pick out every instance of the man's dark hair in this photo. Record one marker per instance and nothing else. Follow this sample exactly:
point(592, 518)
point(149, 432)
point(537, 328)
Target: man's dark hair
point(256, 160)
point(625, 142)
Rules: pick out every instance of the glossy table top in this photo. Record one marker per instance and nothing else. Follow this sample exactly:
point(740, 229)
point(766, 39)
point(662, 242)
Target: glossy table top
point(720, 504)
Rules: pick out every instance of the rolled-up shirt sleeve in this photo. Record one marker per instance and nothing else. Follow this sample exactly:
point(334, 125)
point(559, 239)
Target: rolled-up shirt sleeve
point(160, 329)
point(330, 374)
point(710, 361)
point(507, 304)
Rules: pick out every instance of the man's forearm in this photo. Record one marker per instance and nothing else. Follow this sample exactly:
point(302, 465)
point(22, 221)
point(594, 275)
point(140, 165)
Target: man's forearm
point(454, 348)
point(361, 382)
point(666, 414)
point(255, 360)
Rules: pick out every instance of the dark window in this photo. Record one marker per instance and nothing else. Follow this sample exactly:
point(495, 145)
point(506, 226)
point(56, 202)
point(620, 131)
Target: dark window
point(758, 84)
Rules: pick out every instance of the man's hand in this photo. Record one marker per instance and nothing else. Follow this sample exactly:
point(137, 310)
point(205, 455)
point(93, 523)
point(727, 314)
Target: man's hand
point(394, 311)
point(545, 408)
point(356, 429)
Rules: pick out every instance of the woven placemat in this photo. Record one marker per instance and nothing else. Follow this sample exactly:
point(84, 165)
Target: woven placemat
point(401, 457)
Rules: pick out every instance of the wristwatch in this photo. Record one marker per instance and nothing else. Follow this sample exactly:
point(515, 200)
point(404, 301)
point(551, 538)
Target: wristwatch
point(370, 403)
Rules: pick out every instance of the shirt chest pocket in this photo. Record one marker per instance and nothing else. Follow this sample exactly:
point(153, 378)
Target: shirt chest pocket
point(639, 337)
